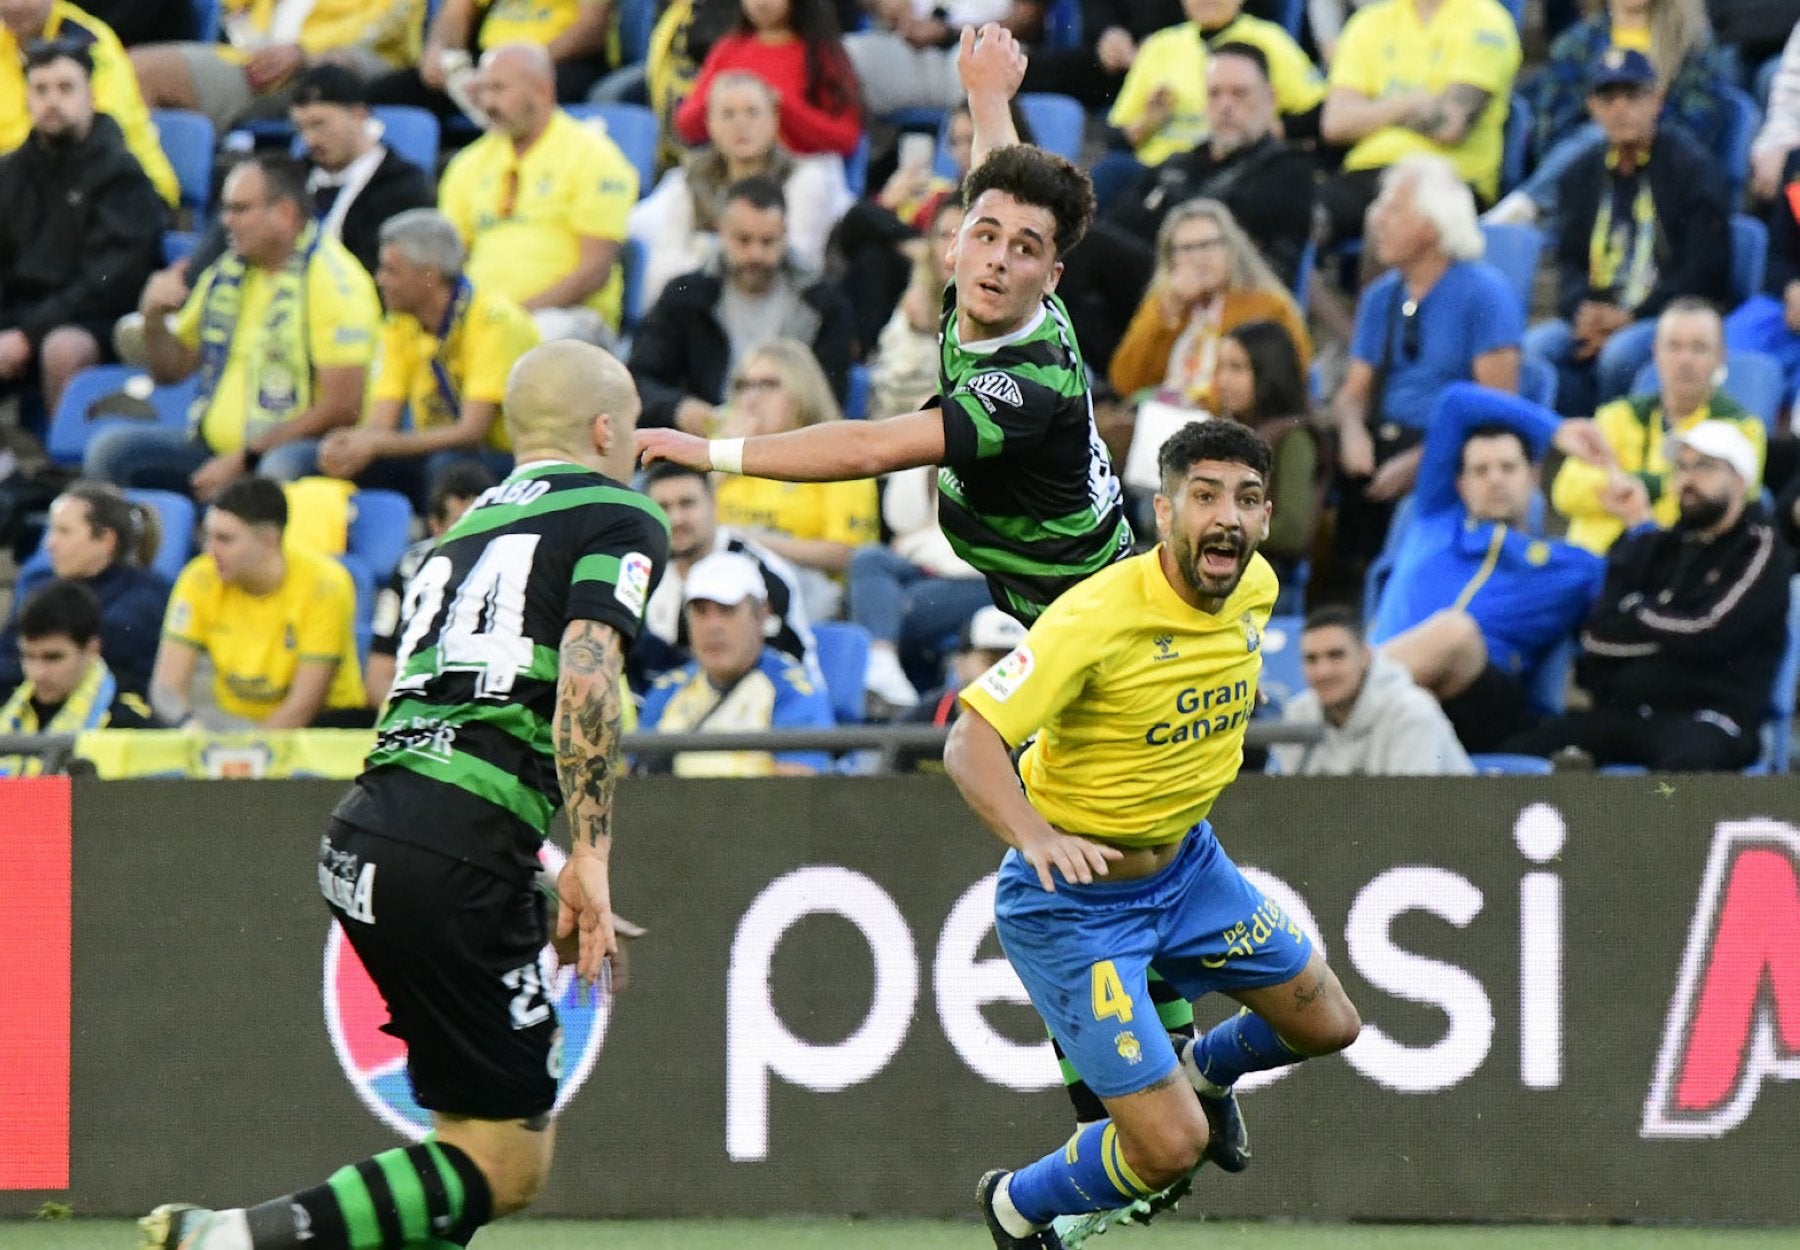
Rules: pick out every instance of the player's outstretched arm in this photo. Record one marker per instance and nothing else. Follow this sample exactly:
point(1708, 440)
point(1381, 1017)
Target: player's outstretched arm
point(978, 762)
point(837, 451)
point(992, 67)
point(587, 731)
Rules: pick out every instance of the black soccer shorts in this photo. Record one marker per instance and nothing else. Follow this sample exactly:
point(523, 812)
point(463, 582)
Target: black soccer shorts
point(454, 950)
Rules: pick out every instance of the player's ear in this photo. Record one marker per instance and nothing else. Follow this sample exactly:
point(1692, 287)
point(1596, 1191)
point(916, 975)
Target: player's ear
point(1165, 514)
point(600, 429)
point(1056, 273)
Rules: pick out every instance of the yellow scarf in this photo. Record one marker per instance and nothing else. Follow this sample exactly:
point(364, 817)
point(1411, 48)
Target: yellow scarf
point(89, 706)
point(278, 368)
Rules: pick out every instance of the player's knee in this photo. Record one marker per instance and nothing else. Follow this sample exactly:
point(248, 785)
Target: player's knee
point(1167, 1153)
point(1337, 1028)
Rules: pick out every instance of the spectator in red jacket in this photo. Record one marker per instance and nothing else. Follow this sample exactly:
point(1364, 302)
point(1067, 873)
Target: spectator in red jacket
point(792, 45)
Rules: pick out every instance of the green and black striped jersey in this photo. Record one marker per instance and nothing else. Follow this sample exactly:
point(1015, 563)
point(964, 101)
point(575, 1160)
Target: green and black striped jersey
point(1027, 493)
point(464, 754)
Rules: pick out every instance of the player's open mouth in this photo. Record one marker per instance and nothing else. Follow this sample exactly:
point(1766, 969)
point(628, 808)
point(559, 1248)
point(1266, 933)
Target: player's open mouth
point(1219, 559)
point(992, 288)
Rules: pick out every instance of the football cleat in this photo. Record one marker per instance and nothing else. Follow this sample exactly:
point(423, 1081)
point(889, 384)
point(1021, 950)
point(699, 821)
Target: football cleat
point(1045, 1239)
point(1076, 1229)
point(174, 1226)
point(1228, 1141)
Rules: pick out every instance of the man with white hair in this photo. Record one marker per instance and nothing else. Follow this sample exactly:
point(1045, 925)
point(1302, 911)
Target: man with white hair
point(1681, 653)
point(1439, 315)
point(447, 347)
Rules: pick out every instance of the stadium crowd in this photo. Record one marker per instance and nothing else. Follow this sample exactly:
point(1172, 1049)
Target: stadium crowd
point(1523, 332)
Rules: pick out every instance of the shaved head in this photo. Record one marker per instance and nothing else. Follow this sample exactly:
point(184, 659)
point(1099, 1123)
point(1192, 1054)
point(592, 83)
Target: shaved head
point(568, 400)
point(517, 89)
point(527, 60)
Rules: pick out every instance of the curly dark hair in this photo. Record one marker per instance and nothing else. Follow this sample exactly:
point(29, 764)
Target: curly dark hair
point(1043, 180)
point(1209, 440)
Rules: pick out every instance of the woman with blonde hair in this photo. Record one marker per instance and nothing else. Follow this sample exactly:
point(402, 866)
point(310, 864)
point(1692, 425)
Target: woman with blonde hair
point(1209, 278)
point(816, 525)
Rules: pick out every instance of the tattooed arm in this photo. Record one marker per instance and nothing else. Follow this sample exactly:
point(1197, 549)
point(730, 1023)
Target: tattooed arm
point(587, 731)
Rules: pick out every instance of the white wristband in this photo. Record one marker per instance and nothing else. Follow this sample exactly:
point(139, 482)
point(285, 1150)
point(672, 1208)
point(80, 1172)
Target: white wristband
point(726, 454)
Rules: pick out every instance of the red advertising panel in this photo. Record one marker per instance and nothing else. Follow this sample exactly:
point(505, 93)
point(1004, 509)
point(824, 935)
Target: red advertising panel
point(34, 992)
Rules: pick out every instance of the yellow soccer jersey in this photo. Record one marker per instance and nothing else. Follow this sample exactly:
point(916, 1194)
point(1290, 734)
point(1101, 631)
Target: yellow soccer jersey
point(342, 315)
point(527, 21)
point(1176, 58)
point(256, 642)
point(115, 87)
point(484, 342)
point(1138, 700)
point(522, 216)
point(1386, 51)
point(839, 512)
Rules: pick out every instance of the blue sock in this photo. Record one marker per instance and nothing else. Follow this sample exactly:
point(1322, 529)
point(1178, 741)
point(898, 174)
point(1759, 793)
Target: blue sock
point(1244, 1043)
point(1087, 1174)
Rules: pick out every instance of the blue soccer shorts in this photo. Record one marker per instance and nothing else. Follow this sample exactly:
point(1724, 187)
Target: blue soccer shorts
point(1084, 953)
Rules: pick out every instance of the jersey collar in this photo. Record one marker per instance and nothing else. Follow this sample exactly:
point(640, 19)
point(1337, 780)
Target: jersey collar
point(982, 347)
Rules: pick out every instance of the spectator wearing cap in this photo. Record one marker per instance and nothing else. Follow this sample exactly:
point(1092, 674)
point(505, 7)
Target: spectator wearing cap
point(68, 688)
point(357, 182)
point(1375, 721)
point(115, 86)
point(1642, 221)
point(985, 640)
point(80, 227)
point(1681, 652)
point(736, 681)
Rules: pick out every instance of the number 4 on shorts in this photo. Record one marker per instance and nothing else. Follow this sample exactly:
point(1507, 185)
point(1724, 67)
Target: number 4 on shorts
point(1110, 999)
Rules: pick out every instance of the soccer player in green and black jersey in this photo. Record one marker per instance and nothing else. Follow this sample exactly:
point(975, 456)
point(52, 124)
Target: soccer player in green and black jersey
point(505, 706)
point(1027, 494)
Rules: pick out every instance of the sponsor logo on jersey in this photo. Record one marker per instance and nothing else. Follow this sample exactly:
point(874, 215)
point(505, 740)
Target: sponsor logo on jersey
point(999, 387)
point(1734, 1021)
point(374, 1062)
point(1009, 674)
point(633, 588)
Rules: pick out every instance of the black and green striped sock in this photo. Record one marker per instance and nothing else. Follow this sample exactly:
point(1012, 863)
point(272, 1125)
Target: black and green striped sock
point(431, 1194)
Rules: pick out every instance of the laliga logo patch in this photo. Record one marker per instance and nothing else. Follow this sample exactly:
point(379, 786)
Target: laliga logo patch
point(999, 387)
point(1010, 673)
point(1734, 1021)
point(633, 587)
point(375, 1062)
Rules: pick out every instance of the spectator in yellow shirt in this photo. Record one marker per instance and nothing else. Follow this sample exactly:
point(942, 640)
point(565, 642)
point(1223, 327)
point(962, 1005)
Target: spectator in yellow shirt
point(22, 23)
point(815, 525)
point(447, 347)
point(281, 331)
point(1162, 107)
point(276, 624)
point(1690, 365)
point(268, 42)
point(573, 32)
point(541, 200)
point(1418, 76)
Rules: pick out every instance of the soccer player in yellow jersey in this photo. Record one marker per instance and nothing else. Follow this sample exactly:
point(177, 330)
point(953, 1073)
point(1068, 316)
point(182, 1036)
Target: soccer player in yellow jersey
point(1138, 684)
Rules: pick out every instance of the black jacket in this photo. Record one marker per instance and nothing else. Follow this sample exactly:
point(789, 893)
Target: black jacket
point(1686, 625)
point(1693, 231)
point(681, 350)
point(80, 232)
point(396, 185)
point(1267, 185)
point(146, 21)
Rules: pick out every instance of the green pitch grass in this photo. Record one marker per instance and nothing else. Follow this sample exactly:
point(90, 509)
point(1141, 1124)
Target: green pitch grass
point(920, 1235)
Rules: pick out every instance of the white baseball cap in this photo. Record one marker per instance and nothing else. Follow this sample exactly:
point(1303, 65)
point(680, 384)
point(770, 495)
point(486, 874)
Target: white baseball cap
point(990, 629)
point(725, 577)
point(1721, 440)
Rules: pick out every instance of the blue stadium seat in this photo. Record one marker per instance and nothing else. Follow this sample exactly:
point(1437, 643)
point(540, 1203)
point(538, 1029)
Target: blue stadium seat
point(177, 515)
point(412, 133)
point(178, 245)
point(633, 128)
point(1062, 24)
point(1515, 141)
point(1537, 381)
point(1743, 119)
point(1778, 729)
point(1058, 122)
point(1514, 251)
point(632, 303)
point(363, 619)
point(856, 400)
point(1282, 677)
point(1499, 764)
point(856, 167)
point(75, 420)
point(187, 140)
point(1291, 16)
point(380, 528)
point(1546, 687)
point(206, 20)
point(1752, 378)
point(843, 652)
point(1303, 275)
point(637, 18)
point(1749, 257)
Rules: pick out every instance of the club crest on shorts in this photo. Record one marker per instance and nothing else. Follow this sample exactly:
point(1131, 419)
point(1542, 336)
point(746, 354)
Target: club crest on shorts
point(374, 1062)
point(1127, 1045)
